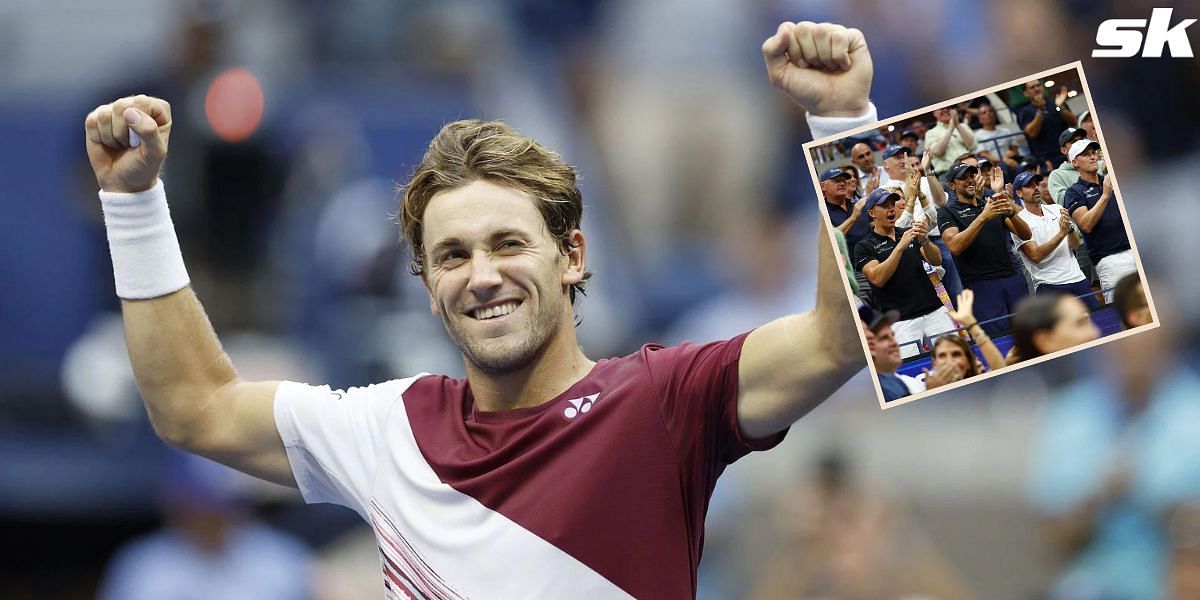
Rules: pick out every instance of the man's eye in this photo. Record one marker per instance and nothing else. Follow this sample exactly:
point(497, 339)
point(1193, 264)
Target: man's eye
point(451, 256)
point(510, 245)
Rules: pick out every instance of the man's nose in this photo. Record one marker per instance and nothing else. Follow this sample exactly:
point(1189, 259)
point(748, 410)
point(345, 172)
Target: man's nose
point(485, 278)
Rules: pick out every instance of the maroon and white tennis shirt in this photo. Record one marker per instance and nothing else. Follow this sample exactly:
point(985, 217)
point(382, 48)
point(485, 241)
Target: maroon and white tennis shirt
point(598, 493)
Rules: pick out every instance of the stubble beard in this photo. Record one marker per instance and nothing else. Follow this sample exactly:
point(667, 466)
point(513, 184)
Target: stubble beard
point(501, 356)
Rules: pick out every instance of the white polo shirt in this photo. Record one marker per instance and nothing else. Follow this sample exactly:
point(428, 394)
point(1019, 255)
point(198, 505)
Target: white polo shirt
point(1060, 267)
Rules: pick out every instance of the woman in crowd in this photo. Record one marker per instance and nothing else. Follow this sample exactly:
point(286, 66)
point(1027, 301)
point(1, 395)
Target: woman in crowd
point(1048, 323)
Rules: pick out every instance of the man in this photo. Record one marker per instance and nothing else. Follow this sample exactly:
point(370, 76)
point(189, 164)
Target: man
point(948, 139)
point(1065, 175)
point(909, 139)
point(893, 261)
point(1006, 149)
point(898, 164)
point(542, 473)
point(977, 235)
point(847, 217)
point(885, 354)
point(869, 175)
point(1043, 125)
point(1086, 124)
point(1050, 262)
point(1103, 229)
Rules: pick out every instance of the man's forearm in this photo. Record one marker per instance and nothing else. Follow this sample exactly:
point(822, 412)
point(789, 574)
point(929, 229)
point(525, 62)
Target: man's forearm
point(968, 138)
point(963, 240)
point(1035, 126)
point(177, 360)
point(1092, 216)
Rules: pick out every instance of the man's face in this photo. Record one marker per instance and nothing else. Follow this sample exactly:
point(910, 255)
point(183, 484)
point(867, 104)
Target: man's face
point(894, 165)
point(1033, 88)
point(1079, 135)
point(987, 115)
point(918, 128)
point(1031, 194)
point(964, 187)
point(951, 353)
point(1087, 161)
point(942, 115)
point(835, 189)
point(1073, 327)
point(885, 213)
point(495, 276)
point(863, 157)
point(1090, 127)
point(909, 142)
point(885, 352)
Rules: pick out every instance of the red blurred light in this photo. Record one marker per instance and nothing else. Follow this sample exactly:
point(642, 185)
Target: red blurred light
point(234, 105)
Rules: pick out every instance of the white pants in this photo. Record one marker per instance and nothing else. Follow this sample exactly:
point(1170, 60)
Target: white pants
point(1112, 268)
point(930, 325)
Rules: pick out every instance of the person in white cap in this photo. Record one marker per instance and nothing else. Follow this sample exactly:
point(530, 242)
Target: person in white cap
point(1087, 201)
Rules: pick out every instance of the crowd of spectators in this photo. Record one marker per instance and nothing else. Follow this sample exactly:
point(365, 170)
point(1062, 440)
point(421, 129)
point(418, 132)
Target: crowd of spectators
point(1005, 212)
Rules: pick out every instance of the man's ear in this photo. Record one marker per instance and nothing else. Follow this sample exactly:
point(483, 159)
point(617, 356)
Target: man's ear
point(1039, 340)
point(576, 259)
point(433, 306)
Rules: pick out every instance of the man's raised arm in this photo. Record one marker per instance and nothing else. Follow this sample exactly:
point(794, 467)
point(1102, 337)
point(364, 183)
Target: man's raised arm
point(790, 365)
point(192, 392)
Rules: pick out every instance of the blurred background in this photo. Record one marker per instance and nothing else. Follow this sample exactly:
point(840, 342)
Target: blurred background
point(294, 121)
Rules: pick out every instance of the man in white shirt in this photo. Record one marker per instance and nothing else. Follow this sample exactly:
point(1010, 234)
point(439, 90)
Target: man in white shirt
point(1050, 262)
point(949, 139)
point(1006, 149)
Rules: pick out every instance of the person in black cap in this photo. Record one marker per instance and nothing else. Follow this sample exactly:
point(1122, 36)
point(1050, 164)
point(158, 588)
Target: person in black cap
point(909, 139)
point(893, 260)
point(1048, 259)
point(1065, 175)
point(885, 353)
point(847, 217)
point(1043, 124)
point(1101, 223)
point(977, 234)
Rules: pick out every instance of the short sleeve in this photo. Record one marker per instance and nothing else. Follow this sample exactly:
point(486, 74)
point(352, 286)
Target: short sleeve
point(333, 438)
point(1016, 240)
point(1072, 199)
point(946, 219)
point(1024, 116)
point(864, 253)
point(697, 390)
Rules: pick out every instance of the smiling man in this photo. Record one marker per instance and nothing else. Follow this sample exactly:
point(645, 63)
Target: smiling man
point(543, 473)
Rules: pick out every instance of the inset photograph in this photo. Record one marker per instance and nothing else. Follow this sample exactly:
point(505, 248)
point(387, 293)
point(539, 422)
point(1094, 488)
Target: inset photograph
point(981, 235)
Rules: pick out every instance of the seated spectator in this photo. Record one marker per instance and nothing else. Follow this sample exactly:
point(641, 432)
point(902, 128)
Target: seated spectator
point(1048, 323)
point(853, 191)
point(847, 217)
point(977, 234)
point(948, 139)
point(885, 353)
point(952, 357)
point(1101, 223)
point(869, 174)
point(1004, 150)
point(1066, 174)
point(893, 261)
point(1049, 261)
point(1042, 125)
point(1130, 300)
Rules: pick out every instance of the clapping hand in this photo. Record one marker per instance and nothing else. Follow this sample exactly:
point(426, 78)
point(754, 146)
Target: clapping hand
point(1062, 96)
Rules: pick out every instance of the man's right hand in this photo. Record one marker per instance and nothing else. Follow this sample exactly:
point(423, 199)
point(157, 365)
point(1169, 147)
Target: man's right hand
point(858, 206)
point(826, 68)
point(119, 167)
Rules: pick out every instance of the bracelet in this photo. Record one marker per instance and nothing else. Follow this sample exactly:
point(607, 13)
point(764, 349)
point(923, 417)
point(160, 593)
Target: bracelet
point(146, 259)
point(967, 328)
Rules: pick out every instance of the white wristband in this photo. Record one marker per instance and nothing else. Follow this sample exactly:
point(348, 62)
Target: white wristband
point(147, 262)
point(823, 127)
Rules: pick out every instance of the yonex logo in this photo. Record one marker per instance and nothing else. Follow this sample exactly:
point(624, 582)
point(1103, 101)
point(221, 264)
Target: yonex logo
point(579, 406)
point(1122, 38)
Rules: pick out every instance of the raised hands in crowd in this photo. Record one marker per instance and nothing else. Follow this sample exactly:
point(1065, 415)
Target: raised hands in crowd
point(965, 316)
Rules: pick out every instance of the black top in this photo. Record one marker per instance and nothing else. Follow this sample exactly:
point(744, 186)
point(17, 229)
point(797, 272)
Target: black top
point(1108, 236)
point(988, 257)
point(838, 215)
point(909, 291)
point(1045, 146)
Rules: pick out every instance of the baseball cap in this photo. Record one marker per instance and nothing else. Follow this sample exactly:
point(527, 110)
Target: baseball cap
point(1070, 134)
point(1078, 148)
point(894, 150)
point(909, 133)
point(1025, 178)
point(1085, 115)
point(876, 319)
point(880, 196)
point(960, 170)
point(831, 173)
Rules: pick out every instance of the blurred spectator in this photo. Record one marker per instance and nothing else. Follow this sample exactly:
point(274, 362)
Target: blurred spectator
point(949, 139)
point(919, 129)
point(1130, 301)
point(1006, 149)
point(1043, 125)
point(1184, 533)
point(212, 547)
point(893, 261)
point(1066, 174)
point(978, 238)
point(1087, 124)
point(1048, 259)
point(1115, 453)
point(1101, 223)
point(1048, 323)
point(838, 538)
point(869, 175)
point(846, 215)
point(909, 139)
point(853, 187)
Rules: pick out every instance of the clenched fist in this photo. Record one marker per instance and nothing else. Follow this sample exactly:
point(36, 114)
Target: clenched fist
point(824, 67)
point(118, 166)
